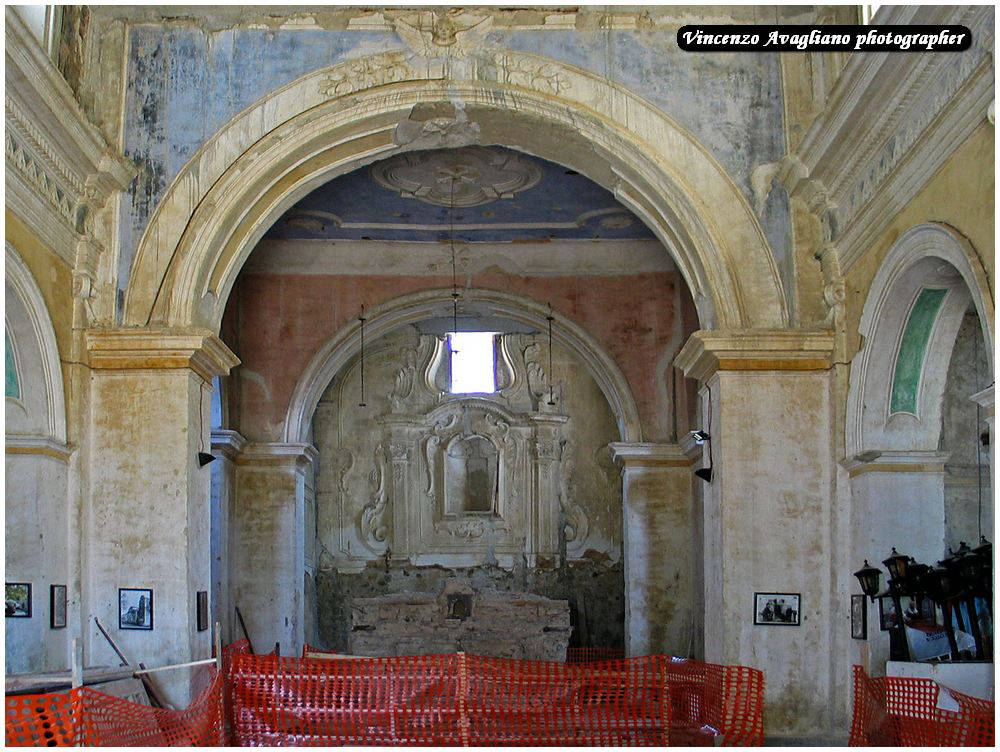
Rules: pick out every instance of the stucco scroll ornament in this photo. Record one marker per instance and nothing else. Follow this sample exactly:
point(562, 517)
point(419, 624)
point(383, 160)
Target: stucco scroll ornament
point(576, 525)
point(531, 74)
point(471, 528)
point(366, 73)
point(374, 529)
point(451, 34)
point(405, 378)
point(538, 380)
point(431, 443)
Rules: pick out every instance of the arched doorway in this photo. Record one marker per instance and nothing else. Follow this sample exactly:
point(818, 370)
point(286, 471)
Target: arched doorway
point(926, 362)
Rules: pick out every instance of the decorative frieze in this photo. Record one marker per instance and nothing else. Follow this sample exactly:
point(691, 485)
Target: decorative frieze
point(891, 122)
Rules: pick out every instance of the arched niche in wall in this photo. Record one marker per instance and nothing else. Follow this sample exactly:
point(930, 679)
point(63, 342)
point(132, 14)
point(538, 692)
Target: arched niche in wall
point(36, 510)
point(917, 302)
point(37, 413)
point(909, 323)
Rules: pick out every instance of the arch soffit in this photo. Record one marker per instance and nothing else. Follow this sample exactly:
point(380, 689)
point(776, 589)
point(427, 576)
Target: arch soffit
point(21, 279)
point(409, 309)
point(907, 268)
point(337, 119)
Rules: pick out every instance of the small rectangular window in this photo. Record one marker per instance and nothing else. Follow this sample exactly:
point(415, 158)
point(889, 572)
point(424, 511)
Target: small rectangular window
point(472, 363)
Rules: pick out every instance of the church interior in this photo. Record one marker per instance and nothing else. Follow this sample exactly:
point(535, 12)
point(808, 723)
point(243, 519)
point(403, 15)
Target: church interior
point(513, 332)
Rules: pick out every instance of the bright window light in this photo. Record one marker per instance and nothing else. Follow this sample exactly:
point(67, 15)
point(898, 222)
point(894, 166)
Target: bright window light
point(472, 367)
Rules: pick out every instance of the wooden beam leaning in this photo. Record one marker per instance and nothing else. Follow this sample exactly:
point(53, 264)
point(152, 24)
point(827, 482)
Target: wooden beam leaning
point(154, 694)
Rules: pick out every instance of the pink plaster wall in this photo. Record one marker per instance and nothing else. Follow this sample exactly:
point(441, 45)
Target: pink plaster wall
point(284, 320)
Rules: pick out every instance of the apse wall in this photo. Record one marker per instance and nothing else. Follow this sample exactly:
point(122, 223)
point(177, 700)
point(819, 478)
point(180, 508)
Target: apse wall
point(368, 454)
point(640, 318)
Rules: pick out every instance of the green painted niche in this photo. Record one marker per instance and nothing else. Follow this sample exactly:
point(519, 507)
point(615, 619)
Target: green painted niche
point(12, 385)
point(913, 349)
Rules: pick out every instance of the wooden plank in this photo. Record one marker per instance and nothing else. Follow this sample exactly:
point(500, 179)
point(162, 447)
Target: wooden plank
point(42, 682)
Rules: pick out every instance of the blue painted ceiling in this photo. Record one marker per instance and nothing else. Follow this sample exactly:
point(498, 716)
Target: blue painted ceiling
point(562, 205)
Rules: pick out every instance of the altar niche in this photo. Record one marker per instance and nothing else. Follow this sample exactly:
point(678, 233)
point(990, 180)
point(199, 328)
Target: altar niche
point(471, 477)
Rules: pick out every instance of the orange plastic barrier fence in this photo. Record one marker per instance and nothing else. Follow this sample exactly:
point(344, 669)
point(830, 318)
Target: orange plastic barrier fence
point(472, 700)
point(417, 700)
point(591, 655)
point(893, 711)
point(88, 718)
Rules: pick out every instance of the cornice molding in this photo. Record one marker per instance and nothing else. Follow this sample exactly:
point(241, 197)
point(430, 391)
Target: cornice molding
point(650, 455)
point(985, 400)
point(892, 121)
point(290, 455)
point(145, 349)
point(227, 443)
point(60, 170)
point(916, 461)
point(706, 352)
point(39, 445)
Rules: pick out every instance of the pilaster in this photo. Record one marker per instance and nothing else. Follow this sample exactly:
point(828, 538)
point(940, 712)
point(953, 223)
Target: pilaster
point(147, 514)
point(658, 527)
point(267, 544)
point(768, 511)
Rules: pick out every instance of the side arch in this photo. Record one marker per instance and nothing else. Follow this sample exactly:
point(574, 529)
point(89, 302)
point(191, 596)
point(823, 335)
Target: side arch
point(21, 282)
point(927, 256)
point(335, 120)
point(409, 309)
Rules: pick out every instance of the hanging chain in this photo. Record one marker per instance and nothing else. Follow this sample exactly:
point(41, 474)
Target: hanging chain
point(454, 268)
point(361, 318)
point(549, 318)
point(979, 442)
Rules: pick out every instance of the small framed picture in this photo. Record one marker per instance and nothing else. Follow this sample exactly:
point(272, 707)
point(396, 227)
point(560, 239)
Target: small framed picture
point(202, 604)
point(776, 609)
point(57, 606)
point(17, 600)
point(135, 608)
point(859, 617)
point(886, 614)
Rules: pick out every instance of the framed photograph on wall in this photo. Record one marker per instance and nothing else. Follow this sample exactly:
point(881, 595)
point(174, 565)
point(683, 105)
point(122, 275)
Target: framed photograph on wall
point(776, 609)
point(135, 608)
point(57, 606)
point(201, 601)
point(17, 600)
point(859, 617)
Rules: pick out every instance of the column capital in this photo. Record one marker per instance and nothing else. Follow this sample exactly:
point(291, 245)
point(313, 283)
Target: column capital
point(227, 443)
point(706, 352)
point(985, 400)
point(633, 454)
point(154, 349)
point(278, 454)
point(894, 461)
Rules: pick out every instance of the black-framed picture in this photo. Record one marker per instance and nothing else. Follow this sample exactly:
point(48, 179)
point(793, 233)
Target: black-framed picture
point(135, 608)
point(886, 614)
point(859, 617)
point(202, 608)
point(57, 606)
point(776, 609)
point(17, 600)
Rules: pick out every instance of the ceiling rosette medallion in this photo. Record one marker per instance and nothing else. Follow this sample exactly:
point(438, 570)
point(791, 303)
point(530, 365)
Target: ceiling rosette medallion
point(465, 177)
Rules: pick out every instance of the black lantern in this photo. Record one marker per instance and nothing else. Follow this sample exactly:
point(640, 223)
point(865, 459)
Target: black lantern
point(869, 576)
point(897, 564)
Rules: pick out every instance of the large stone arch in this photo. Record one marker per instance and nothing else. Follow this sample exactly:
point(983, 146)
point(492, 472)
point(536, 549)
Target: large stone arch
point(409, 309)
point(34, 334)
point(334, 120)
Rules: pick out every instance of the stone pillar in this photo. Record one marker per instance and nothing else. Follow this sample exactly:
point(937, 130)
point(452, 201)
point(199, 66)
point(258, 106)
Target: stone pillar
point(767, 404)
point(267, 544)
point(898, 501)
point(226, 446)
point(986, 402)
point(658, 532)
point(147, 515)
point(544, 525)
